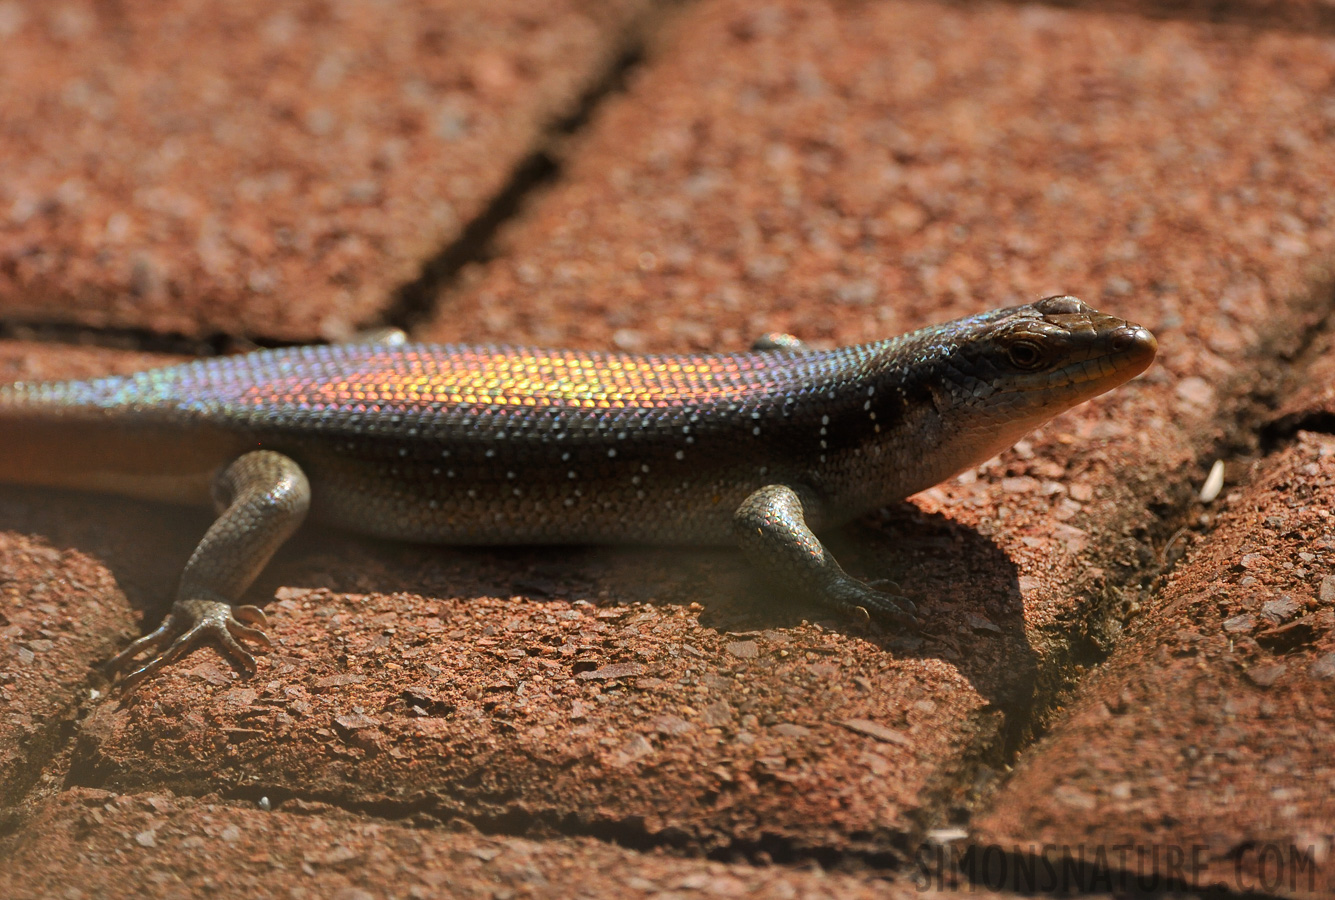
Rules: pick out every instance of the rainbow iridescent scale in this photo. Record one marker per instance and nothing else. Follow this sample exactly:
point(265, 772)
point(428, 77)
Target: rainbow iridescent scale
point(354, 380)
point(528, 378)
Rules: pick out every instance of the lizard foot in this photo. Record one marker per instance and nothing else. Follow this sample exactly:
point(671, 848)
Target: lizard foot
point(190, 622)
point(869, 601)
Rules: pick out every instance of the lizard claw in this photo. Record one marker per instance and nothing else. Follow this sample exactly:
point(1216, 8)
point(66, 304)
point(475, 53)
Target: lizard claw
point(251, 615)
point(890, 607)
point(869, 601)
point(190, 622)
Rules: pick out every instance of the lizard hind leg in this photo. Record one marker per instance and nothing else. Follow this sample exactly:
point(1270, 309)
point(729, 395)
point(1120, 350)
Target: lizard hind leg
point(262, 497)
point(771, 529)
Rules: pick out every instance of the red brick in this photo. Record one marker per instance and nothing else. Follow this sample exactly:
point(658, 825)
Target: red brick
point(477, 695)
point(1079, 149)
point(847, 172)
point(1209, 729)
point(261, 170)
point(844, 172)
point(93, 843)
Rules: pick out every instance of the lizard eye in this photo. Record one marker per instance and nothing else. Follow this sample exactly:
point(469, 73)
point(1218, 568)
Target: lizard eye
point(1025, 354)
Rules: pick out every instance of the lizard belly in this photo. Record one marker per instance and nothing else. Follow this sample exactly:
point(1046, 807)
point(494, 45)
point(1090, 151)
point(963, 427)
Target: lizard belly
point(420, 503)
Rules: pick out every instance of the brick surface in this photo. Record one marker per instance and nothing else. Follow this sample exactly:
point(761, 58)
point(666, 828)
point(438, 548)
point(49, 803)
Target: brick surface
point(58, 613)
point(265, 171)
point(842, 171)
point(1307, 396)
point(847, 172)
point(732, 726)
point(97, 844)
point(1209, 730)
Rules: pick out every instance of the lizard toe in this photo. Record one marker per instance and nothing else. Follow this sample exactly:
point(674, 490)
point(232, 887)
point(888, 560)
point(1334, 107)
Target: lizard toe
point(236, 629)
point(885, 606)
point(885, 586)
point(191, 622)
point(155, 639)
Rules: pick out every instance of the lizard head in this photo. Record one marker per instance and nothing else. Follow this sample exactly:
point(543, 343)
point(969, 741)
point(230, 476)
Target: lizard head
point(1053, 354)
point(1004, 373)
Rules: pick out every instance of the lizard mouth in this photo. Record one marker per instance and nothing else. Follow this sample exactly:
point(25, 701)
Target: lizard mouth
point(1122, 354)
point(1115, 349)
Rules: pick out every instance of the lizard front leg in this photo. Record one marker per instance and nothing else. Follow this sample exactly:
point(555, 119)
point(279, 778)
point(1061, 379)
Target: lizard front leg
point(262, 498)
point(772, 531)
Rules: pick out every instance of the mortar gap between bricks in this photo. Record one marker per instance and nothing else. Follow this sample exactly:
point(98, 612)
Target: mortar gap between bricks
point(51, 753)
point(417, 301)
point(1283, 432)
point(1082, 644)
point(1295, 18)
point(45, 755)
point(432, 810)
point(141, 340)
point(1278, 431)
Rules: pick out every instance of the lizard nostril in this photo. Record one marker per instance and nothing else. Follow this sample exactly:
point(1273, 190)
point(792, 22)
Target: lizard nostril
point(1131, 337)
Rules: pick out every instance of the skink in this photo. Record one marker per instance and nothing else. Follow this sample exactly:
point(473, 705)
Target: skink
point(462, 444)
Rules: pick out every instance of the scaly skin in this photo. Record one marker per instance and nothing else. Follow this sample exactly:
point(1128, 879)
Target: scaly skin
point(511, 445)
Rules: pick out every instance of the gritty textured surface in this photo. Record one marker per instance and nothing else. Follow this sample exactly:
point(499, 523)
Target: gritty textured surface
point(253, 170)
point(944, 160)
point(621, 717)
point(98, 844)
point(845, 171)
point(59, 613)
point(1211, 725)
point(1306, 398)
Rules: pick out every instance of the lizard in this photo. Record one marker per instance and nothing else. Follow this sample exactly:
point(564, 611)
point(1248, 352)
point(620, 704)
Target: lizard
point(490, 444)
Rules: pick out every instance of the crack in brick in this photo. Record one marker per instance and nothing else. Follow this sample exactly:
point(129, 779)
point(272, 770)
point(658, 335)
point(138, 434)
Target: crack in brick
point(1289, 17)
point(419, 300)
point(630, 832)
